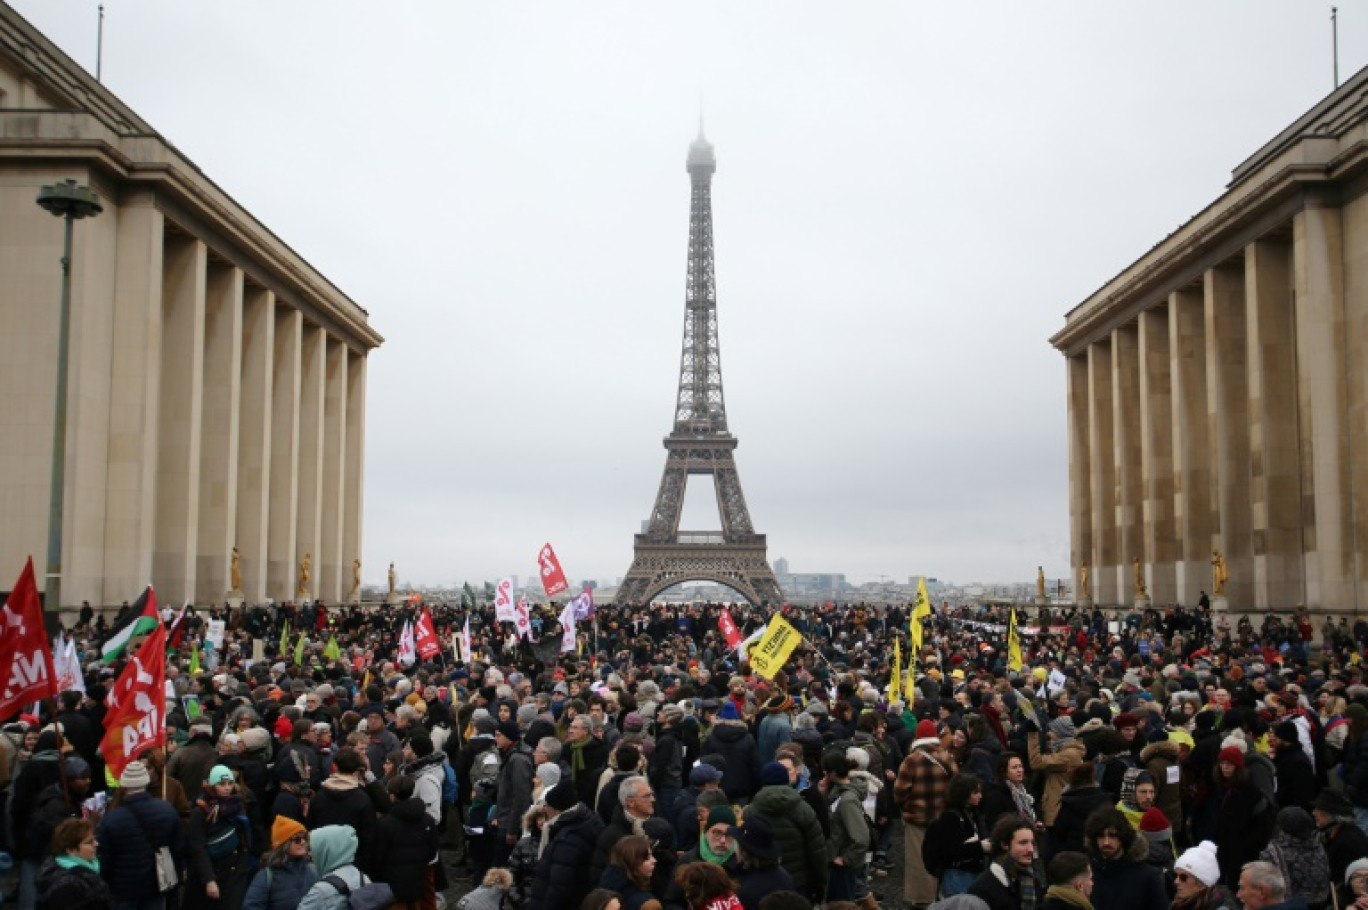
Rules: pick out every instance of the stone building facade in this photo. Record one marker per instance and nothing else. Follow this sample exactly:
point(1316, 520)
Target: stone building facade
point(217, 381)
point(1218, 388)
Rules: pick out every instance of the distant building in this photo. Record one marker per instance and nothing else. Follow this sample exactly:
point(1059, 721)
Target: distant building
point(781, 566)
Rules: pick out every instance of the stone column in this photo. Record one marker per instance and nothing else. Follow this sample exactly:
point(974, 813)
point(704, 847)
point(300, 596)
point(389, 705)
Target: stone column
point(355, 464)
point(222, 409)
point(1126, 453)
point(312, 389)
point(1106, 564)
point(284, 480)
point(254, 440)
point(135, 381)
point(1191, 467)
point(1318, 279)
point(1228, 426)
point(180, 421)
point(1080, 477)
point(1156, 453)
point(1275, 470)
point(331, 560)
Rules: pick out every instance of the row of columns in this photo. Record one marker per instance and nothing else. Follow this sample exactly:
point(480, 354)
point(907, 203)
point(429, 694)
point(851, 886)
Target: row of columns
point(1224, 418)
point(253, 435)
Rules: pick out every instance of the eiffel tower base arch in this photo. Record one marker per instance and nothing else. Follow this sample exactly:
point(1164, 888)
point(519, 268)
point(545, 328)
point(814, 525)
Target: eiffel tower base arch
point(739, 566)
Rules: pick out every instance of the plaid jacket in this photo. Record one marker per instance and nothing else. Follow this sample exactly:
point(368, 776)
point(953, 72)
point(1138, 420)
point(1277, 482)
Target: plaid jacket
point(922, 784)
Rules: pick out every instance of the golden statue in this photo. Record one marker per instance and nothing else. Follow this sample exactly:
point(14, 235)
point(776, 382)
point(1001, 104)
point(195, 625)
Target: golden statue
point(1219, 573)
point(1083, 580)
point(1140, 589)
point(356, 580)
point(304, 575)
point(391, 578)
point(1040, 581)
point(235, 571)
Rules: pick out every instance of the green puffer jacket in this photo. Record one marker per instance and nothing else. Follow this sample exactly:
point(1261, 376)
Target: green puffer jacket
point(849, 830)
point(800, 834)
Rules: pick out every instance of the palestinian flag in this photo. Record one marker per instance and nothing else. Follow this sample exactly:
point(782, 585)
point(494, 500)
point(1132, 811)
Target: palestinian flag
point(141, 619)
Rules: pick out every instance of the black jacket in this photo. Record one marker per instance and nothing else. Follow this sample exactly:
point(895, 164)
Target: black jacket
point(731, 740)
point(1296, 778)
point(406, 843)
point(1128, 883)
point(70, 889)
point(129, 836)
point(342, 802)
point(1000, 891)
point(665, 769)
point(563, 877)
point(1075, 805)
point(40, 772)
point(953, 841)
point(53, 808)
point(620, 827)
point(595, 759)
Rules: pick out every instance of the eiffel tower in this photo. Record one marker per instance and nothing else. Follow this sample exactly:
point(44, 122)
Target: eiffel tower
point(700, 443)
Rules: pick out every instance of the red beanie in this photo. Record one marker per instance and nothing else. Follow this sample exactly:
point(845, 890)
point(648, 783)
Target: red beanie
point(1125, 719)
point(926, 729)
point(1232, 755)
point(1154, 821)
point(283, 726)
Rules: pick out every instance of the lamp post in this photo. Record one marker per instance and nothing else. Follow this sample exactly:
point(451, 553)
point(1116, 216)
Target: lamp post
point(70, 201)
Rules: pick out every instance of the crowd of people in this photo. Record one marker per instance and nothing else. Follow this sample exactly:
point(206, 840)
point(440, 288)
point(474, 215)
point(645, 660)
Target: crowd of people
point(1148, 760)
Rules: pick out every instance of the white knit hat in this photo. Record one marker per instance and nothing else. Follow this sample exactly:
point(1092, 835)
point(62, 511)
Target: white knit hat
point(1201, 862)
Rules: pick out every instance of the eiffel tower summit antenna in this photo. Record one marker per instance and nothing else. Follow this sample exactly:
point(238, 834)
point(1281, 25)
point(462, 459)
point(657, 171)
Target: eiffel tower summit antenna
point(700, 442)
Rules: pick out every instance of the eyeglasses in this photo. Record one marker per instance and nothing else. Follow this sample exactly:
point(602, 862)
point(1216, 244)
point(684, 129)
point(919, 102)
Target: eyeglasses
point(300, 839)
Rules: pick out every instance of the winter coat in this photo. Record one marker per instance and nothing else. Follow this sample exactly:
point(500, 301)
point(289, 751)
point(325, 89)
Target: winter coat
point(341, 801)
point(923, 782)
point(1344, 843)
point(1075, 805)
point(515, 790)
point(406, 842)
point(754, 885)
point(608, 799)
point(129, 837)
point(633, 897)
point(1296, 779)
point(53, 807)
point(849, 839)
point(37, 774)
point(665, 769)
point(231, 873)
point(323, 896)
point(1157, 759)
point(1303, 863)
point(955, 841)
point(799, 834)
point(983, 758)
point(741, 775)
point(999, 892)
point(280, 887)
point(595, 759)
point(192, 762)
point(1244, 821)
point(522, 862)
point(77, 888)
point(622, 825)
point(1056, 766)
point(1128, 883)
point(562, 877)
point(773, 732)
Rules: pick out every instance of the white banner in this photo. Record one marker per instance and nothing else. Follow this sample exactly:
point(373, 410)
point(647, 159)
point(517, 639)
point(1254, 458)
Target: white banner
point(504, 610)
point(215, 634)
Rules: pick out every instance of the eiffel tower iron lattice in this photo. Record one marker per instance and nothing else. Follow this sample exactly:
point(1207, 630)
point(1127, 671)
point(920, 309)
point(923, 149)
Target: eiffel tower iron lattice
point(700, 444)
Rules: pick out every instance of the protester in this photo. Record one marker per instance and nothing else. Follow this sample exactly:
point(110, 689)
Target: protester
point(796, 829)
point(286, 873)
point(1015, 878)
point(70, 878)
point(129, 837)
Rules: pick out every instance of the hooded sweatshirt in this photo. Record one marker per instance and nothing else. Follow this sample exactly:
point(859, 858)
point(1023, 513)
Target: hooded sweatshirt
point(334, 849)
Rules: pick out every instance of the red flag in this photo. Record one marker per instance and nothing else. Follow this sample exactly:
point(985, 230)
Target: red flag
point(729, 630)
point(553, 578)
point(137, 720)
point(24, 651)
point(425, 636)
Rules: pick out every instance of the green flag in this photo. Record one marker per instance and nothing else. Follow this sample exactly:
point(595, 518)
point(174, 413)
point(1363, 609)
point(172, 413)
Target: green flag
point(332, 651)
point(299, 649)
point(194, 661)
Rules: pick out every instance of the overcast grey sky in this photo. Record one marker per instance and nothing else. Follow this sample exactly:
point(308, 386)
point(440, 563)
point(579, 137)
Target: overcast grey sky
point(908, 199)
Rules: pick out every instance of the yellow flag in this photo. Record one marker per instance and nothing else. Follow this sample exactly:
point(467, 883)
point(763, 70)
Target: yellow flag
point(299, 650)
point(332, 651)
point(920, 610)
point(194, 662)
point(774, 649)
point(895, 678)
point(1013, 643)
point(284, 637)
point(365, 680)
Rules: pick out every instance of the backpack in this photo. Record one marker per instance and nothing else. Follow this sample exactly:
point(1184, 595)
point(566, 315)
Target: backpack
point(370, 896)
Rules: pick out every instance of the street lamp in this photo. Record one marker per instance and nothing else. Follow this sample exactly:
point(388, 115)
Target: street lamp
point(68, 200)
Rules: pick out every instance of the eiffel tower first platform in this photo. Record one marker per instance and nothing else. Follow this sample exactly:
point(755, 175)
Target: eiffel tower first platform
point(700, 443)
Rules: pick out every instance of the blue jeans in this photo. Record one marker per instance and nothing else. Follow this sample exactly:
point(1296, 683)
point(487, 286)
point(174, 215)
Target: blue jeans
point(28, 884)
point(956, 881)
